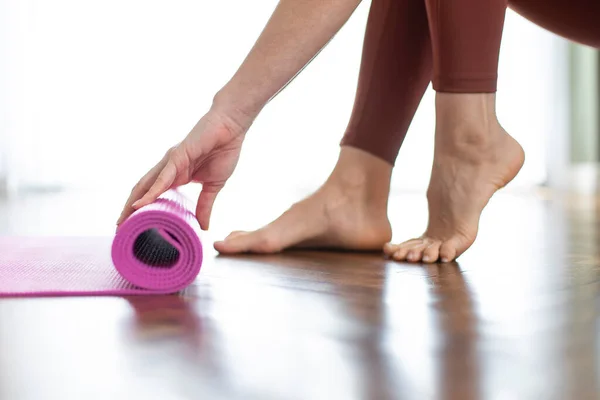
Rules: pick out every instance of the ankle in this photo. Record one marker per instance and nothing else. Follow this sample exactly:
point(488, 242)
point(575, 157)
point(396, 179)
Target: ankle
point(358, 172)
point(466, 122)
point(470, 108)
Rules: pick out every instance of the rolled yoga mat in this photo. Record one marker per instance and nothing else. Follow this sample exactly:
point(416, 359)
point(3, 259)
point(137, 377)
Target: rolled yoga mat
point(157, 250)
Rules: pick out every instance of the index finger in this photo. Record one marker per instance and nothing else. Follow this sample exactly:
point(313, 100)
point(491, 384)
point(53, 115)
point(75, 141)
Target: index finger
point(139, 190)
point(161, 184)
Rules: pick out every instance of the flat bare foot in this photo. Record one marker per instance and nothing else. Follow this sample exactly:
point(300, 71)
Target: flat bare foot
point(348, 212)
point(474, 157)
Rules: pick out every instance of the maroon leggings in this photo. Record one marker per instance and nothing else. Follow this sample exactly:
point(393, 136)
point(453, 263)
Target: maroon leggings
point(454, 43)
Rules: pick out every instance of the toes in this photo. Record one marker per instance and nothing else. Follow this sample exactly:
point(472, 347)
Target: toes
point(399, 251)
point(415, 254)
point(411, 250)
point(227, 245)
point(389, 248)
point(256, 242)
point(416, 250)
point(235, 234)
point(400, 255)
point(222, 245)
point(432, 253)
point(426, 250)
point(448, 251)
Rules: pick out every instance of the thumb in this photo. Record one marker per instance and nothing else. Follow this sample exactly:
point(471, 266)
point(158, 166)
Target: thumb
point(206, 200)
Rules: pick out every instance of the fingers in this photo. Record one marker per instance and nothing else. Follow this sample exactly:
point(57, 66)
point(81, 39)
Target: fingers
point(139, 189)
point(157, 181)
point(163, 182)
point(206, 200)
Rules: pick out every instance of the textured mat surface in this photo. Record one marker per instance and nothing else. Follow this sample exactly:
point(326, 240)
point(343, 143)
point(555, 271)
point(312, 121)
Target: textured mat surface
point(157, 250)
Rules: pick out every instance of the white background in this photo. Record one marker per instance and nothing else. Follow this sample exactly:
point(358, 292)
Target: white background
point(94, 92)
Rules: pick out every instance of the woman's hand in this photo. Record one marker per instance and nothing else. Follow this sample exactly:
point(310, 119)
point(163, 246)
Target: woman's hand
point(208, 155)
point(294, 35)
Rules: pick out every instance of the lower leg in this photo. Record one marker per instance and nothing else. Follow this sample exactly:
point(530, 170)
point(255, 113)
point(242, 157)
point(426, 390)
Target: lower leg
point(474, 156)
point(395, 71)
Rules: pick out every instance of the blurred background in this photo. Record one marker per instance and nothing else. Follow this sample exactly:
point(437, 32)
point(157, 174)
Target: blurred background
point(92, 94)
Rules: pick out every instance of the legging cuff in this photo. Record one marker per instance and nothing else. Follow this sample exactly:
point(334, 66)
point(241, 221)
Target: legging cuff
point(380, 150)
point(462, 85)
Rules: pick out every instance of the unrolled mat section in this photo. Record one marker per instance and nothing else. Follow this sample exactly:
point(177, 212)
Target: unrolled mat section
point(155, 251)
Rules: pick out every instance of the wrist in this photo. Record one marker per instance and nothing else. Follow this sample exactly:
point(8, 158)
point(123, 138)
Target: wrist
point(232, 107)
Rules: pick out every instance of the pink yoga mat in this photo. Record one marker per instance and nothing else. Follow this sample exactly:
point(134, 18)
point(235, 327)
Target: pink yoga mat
point(155, 251)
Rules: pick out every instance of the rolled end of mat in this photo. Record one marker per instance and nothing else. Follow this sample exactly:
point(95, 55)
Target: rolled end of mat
point(158, 247)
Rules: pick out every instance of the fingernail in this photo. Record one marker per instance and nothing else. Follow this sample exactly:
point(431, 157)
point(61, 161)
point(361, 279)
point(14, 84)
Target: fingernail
point(444, 260)
point(426, 258)
point(135, 204)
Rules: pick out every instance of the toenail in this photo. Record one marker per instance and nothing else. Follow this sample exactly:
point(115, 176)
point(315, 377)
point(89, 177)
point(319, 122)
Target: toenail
point(426, 258)
point(445, 260)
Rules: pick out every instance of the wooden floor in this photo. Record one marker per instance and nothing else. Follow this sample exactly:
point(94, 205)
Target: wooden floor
point(517, 318)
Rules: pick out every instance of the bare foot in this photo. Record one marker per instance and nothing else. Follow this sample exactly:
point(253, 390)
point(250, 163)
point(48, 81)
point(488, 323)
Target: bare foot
point(348, 212)
point(474, 157)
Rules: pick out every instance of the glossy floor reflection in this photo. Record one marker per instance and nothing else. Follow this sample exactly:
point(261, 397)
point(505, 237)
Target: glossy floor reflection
point(517, 318)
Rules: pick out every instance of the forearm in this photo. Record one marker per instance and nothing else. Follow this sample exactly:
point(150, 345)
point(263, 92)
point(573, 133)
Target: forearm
point(294, 35)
